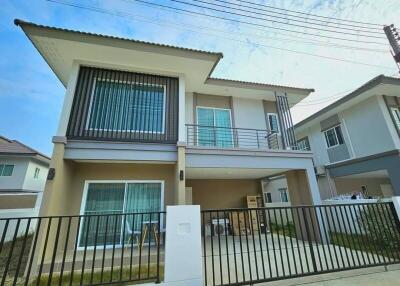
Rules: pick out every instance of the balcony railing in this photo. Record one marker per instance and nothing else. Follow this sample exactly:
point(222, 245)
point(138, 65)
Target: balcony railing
point(99, 249)
point(226, 137)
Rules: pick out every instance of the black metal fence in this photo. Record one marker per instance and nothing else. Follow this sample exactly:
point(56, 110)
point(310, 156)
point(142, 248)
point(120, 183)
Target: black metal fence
point(82, 250)
point(227, 137)
point(247, 246)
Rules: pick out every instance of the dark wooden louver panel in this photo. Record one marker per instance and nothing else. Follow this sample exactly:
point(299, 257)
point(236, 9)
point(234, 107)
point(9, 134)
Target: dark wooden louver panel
point(124, 106)
point(285, 118)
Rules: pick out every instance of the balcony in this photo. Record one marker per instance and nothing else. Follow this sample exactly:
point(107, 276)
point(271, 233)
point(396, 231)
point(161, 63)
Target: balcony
point(227, 138)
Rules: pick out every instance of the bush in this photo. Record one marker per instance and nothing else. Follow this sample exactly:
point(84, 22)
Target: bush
point(379, 224)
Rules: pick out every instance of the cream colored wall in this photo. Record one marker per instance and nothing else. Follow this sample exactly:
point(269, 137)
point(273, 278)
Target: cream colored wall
point(345, 186)
point(213, 194)
point(114, 171)
point(17, 201)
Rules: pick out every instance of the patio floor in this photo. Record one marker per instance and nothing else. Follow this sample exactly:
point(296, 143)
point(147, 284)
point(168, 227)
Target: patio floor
point(229, 259)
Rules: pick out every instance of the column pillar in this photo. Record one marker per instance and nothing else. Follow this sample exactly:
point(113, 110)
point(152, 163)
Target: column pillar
point(180, 176)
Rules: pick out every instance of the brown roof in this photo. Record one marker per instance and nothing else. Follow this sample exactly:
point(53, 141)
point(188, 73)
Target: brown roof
point(14, 147)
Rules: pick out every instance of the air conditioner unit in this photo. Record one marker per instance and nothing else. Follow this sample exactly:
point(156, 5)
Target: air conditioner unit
point(320, 170)
point(220, 226)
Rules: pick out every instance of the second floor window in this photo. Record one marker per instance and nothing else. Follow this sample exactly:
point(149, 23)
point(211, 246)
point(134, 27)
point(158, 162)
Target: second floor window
point(333, 136)
point(215, 127)
point(36, 174)
point(122, 106)
point(303, 144)
point(283, 194)
point(396, 116)
point(273, 122)
point(6, 170)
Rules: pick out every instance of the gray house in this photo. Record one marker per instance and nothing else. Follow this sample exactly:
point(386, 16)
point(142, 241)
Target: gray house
point(356, 142)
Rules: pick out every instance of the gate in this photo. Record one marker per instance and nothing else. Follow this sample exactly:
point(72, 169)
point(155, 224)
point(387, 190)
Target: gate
point(252, 245)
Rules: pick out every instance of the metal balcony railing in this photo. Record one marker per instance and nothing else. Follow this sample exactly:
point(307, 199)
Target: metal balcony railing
point(227, 137)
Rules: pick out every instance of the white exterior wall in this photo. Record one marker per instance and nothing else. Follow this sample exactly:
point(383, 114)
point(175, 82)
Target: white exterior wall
point(189, 108)
point(22, 177)
point(249, 113)
point(317, 144)
point(273, 186)
point(30, 183)
point(368, 129)
point(365, 128)
point(17, 179)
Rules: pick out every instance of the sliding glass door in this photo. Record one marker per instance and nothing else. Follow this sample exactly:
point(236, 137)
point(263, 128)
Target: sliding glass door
point(110, 200)
point(214, 127)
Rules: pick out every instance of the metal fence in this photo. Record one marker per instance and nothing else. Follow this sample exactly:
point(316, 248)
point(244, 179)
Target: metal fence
point(247, 246)
point(91, 249)
point(227, 137)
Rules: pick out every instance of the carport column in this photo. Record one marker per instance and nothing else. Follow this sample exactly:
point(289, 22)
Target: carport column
point(180, 176)
point(183, 257)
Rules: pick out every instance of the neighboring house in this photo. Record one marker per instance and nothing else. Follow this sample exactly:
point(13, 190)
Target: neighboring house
point(356, 142)
point(23, 173)
point(145, 125)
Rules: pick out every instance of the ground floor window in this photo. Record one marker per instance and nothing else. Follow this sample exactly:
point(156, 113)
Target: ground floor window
point(111, 200)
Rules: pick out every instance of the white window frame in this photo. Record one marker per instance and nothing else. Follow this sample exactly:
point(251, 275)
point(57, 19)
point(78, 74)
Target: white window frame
point(213, 108)
point(4, 165)
point(396, 116)
point(128, 130)
point(126, 182)
point(277, 121)
point(337, 138)
point(305, 143)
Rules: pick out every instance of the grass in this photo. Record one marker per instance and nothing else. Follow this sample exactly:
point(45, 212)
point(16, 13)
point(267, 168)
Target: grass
point(363, 243)
point(15, 256)
point(286, 230)
point(97, 278)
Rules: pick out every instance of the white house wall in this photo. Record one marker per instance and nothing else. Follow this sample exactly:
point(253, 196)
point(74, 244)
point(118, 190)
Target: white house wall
point(30, 183)
point(368, 128)
point(16, 180)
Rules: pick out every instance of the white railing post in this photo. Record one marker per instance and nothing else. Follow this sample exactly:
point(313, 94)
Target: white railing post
point(183, 256)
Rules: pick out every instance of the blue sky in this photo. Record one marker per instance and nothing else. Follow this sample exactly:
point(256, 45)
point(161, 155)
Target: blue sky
point(31, 96)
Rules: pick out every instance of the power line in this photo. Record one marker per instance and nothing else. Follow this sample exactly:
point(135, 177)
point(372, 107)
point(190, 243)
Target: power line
point(251, 23)
point(121, 14)
point(277, 17)
point(273, 21)
point(202, 28)
point(309, 14)
point(307, 19)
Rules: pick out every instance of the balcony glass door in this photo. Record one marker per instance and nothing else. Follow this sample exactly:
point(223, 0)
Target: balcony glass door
point(215, 127)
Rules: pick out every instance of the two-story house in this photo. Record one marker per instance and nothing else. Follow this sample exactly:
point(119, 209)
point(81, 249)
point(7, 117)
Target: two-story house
point(145, 125)
point(355, 142)
point(23, 173)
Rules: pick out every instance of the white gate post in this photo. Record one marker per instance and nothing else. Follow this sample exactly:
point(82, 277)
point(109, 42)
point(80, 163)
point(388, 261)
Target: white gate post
point(183, 256)
point(396, 202)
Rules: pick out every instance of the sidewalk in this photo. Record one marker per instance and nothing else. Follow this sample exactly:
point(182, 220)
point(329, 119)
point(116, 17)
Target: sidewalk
point(375, 276)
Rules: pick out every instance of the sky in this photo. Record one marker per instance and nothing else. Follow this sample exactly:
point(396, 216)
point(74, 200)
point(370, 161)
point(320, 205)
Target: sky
point(31, 96)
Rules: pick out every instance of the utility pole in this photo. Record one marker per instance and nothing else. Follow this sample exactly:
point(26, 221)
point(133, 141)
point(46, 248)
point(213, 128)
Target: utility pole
point(394, 41)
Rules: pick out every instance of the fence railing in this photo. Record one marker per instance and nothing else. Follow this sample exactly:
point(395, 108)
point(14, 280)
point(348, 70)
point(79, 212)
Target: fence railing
point(226, 137)
point(246, 246)
point(95, 249)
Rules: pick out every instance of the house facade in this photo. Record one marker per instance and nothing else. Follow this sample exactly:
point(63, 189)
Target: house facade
point(145, 125)
point(23, 173)
point(355, 142)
